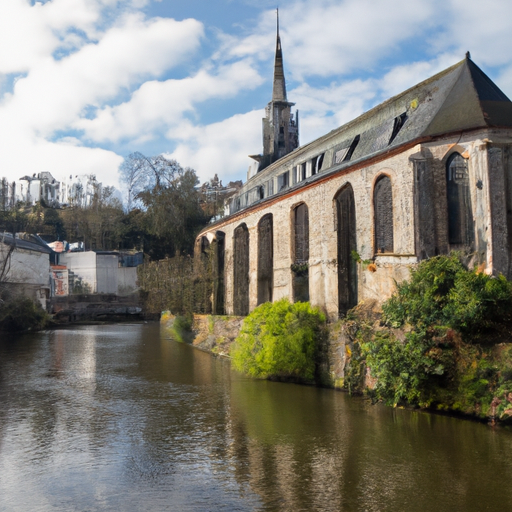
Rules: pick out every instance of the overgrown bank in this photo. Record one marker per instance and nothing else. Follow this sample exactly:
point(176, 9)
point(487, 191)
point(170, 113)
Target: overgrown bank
point(22, 314)
point(441, 342)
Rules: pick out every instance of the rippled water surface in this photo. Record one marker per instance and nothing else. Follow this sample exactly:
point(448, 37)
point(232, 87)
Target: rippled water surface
point(120, 418)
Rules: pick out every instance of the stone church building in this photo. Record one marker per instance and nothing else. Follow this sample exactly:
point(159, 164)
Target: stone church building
point(339, 220)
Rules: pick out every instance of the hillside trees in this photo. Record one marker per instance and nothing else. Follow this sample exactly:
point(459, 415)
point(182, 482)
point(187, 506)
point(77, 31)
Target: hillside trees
point(167, 202)
point(99, 226)
point(164, 212)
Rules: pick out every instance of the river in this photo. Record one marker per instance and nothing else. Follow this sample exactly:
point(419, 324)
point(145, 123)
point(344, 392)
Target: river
point(120, 418)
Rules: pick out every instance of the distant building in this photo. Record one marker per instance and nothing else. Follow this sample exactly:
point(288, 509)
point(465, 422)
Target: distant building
point(27, 267)
point(80, 190)
point(215, 196)
point(41, 187)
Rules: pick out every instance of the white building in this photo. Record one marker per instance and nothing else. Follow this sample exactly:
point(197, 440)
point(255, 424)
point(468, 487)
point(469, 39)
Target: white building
point(80, 190)
point(38, 187)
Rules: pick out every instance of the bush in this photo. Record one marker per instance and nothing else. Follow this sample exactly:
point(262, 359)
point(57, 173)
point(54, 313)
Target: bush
point(441, 291)
point(181, 328)
point(22, 314)
point(280, 340)
point(404, 369)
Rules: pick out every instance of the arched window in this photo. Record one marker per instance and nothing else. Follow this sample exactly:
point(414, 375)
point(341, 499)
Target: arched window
point(460, 213)
point(265, 259)
point(300, 264)
point(218, 273)
point(241, 271)
point(347, 245)
point(383, 211)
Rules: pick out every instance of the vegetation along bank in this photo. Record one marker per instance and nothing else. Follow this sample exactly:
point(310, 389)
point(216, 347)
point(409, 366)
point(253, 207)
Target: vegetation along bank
point(441, 342)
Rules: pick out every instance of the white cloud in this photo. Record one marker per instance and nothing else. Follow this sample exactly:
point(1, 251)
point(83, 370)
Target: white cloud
point(54, 93)
point(330, 37)
point(78, 74)
point(158, 105)
point(219, 148)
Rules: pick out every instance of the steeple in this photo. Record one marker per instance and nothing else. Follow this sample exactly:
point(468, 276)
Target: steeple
point(280, 126)
point(279, 90)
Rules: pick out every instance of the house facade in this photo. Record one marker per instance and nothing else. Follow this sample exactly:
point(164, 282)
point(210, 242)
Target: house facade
point(340, 220)
point(24, 268)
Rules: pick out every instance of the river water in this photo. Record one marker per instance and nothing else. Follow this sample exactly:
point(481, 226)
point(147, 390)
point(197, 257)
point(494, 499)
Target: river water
point(120, 418)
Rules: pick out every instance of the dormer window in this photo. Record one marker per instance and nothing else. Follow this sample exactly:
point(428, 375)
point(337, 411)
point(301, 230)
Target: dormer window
point(344, 154)
point(283, 181)
point(397, 126)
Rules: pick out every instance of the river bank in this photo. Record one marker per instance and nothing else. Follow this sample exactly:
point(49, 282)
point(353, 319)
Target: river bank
point(362, 356)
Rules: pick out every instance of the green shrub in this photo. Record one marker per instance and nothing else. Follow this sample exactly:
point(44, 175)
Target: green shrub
point(22, 314)
point(280, 340)
point(441, 291)
point(181, 328)
point(404, 369)
point(478, 301)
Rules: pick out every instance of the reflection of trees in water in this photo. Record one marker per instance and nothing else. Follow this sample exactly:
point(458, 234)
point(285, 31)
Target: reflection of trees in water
point(150, 413)
point(308, 449)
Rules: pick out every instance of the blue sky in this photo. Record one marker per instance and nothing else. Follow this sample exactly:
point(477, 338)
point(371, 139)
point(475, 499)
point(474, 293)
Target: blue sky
point(83, 83)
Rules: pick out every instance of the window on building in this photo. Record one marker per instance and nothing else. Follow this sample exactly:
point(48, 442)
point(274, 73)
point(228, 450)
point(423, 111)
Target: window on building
point(314, 167)
point(352, 148)
point(303, 170)
point(383, 215)
point(460, 212)
point(397, 126)
point(283, 181)
point(300, 267)
point(319, 162)
point(265, 259)
point(241, 271)
point(316, 164)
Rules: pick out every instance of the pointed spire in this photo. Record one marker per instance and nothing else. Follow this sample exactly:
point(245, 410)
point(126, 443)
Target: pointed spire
point(279, 89)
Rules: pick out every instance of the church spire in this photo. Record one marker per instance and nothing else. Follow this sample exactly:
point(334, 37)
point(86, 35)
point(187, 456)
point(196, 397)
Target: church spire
point(280, 126)
point(279, 89)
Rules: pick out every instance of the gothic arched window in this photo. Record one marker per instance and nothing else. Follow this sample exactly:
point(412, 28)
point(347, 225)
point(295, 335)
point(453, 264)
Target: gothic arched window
point(460, 213)
point(241, 270)
point(383, 211)
point(300, 266)
point(265, 259)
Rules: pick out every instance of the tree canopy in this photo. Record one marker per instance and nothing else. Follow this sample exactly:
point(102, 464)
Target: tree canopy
point(163, 214)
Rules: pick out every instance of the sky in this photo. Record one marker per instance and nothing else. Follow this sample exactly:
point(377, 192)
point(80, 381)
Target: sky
point(84, 83)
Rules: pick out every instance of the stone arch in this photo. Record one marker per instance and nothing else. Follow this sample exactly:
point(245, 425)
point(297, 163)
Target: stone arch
point(265, 259)
point(241, 270)
point(460, 211)
point(300, 252)
point(218, 246)
point(383, 215)
point(346, 246)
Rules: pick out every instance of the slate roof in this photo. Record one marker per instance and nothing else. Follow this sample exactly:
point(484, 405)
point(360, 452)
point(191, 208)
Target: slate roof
point(457, 99)
point(35, 243)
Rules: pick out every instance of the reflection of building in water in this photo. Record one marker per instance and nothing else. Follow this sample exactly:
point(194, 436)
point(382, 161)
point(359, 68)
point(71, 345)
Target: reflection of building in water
point(76, 360)
point(289, 444)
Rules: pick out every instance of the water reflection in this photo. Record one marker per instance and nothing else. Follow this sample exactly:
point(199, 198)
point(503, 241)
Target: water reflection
point(118, 417)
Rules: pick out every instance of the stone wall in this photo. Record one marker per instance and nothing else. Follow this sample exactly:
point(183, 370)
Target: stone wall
point(216, 334)
point(419, 221)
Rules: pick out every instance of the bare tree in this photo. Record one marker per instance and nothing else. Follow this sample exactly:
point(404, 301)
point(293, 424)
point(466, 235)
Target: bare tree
point(142, 173)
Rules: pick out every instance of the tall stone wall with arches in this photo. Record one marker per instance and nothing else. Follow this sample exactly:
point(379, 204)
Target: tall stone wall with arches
point(400, 208)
